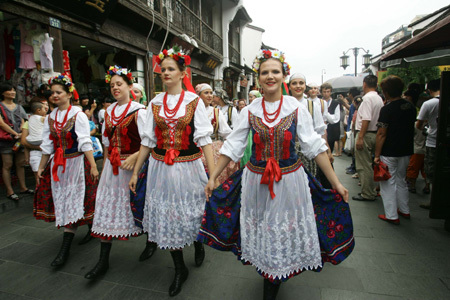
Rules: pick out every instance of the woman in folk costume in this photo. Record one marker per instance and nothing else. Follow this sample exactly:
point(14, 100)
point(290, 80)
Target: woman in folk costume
point(177, 126)
point(278, 233)
point(297, 86)
point(124, 121)
point(220, 126)
point(67, 187)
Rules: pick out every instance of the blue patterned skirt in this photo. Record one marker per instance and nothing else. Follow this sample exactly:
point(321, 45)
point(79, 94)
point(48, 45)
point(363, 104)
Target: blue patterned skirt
point(221, 224)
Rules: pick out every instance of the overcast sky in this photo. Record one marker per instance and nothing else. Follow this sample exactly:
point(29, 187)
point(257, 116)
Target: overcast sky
point(313, 34)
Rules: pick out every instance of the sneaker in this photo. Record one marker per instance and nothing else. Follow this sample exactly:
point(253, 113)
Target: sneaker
point(350, 171)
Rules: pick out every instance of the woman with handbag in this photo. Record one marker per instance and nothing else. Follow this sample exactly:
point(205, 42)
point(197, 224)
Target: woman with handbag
point(11, 121)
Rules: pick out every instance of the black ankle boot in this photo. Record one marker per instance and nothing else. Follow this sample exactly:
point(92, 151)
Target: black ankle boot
point(87, 237)
point(199, 253)
point(63, 254)
point(270, 290)
point(150, 248)
point(181, 273)
point(103, 263)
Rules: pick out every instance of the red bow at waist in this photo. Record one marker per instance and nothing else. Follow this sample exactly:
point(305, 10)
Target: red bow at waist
point(171, 154)
point(271, 173)
point(58, 160)
point(114, 158)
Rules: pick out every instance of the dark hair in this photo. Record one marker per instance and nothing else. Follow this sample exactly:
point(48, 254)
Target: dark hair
point(124, 77)
point(5, 87)
point(42, 91)
point(326, 86)
point(358, 99)
point(84, 96)
point(354, 91)
point(392, 86)
point(371, 81)
point(434, 85)
point(35, 105)
point(282, 69)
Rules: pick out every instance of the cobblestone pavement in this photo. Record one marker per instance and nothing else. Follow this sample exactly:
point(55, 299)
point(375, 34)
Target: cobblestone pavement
point(409, 261)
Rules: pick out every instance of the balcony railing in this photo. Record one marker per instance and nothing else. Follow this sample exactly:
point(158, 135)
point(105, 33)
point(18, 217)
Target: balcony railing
point(186, 21)
point(234, 55)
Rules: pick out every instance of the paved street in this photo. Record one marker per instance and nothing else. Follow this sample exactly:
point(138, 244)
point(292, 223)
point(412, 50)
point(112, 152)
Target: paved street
point(409, 261)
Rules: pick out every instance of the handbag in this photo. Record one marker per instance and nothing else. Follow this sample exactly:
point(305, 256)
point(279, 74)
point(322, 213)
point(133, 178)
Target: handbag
point(381, 172)
point(349, 142)
point(5, 136)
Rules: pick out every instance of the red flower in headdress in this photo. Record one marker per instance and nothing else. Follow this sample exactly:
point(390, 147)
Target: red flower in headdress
point(187, 60)
point(164, 52)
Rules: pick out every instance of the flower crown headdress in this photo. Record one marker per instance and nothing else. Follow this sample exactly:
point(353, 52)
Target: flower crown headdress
point(64, 80)
point(117, 70)
point(177, 54)
point(265, 54)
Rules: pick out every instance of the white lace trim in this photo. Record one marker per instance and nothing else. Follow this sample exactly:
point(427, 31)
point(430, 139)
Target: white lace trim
point(280, 245)
point(113, 215)
point(173, 222)
point(68, 193)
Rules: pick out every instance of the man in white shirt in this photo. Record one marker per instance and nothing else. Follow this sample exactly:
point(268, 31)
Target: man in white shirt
point(332, 115)
point(429, 113)
point(366, 131)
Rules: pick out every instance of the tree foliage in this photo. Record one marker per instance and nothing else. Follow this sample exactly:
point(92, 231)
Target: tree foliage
point(420, 75)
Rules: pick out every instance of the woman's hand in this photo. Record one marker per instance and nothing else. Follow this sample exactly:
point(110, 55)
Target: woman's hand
point(342, 191)
point(376, 160)
point(132, 183)
point(128, 164)
point(94, 173)
point(39, 175)
point(209, 188)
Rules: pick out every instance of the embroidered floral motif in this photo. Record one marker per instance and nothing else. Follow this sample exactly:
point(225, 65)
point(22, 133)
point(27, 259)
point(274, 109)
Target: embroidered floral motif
point(120, 137)
point(281, 137)
point(180, 133)
point(68, 137)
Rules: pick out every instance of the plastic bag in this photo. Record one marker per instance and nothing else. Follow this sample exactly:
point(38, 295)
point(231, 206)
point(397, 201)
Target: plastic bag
point(381, 172)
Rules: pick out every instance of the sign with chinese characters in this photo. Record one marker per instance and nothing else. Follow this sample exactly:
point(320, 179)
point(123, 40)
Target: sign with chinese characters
point(54, 22)
point(92, 11)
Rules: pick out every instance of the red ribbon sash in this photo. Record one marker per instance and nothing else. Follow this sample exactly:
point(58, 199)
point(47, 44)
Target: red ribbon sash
point(114, 158)
point(171, 154)
point(271, 173)
point(59, 160)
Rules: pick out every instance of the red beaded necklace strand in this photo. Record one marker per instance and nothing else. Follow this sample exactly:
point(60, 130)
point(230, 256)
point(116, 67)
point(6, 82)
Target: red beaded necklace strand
point(170, 113)
point(60, 125)
point(116, 120)
point(268, 116)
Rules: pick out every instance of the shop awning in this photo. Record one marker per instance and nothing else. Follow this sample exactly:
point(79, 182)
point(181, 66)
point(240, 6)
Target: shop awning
point(431, 40)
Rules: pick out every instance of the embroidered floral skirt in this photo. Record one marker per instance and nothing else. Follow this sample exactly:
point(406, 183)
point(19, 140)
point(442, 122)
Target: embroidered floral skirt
point(63, 201)
point(113, 216)
point(229, 169)
point(174, 202)
point(300, 233)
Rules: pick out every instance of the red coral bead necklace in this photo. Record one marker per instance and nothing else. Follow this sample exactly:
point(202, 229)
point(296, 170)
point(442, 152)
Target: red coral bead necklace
point(170, 113)
point(270, 117)
point(115, 120)
point(60, 125)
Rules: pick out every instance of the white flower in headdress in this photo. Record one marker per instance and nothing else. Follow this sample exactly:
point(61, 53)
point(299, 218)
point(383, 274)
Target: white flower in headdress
point(256, 66)
point(260, 54)
point(170, 52)
point(276, 54)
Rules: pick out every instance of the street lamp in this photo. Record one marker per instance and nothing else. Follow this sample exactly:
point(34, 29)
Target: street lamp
point(323, 72)
point(366, 57)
